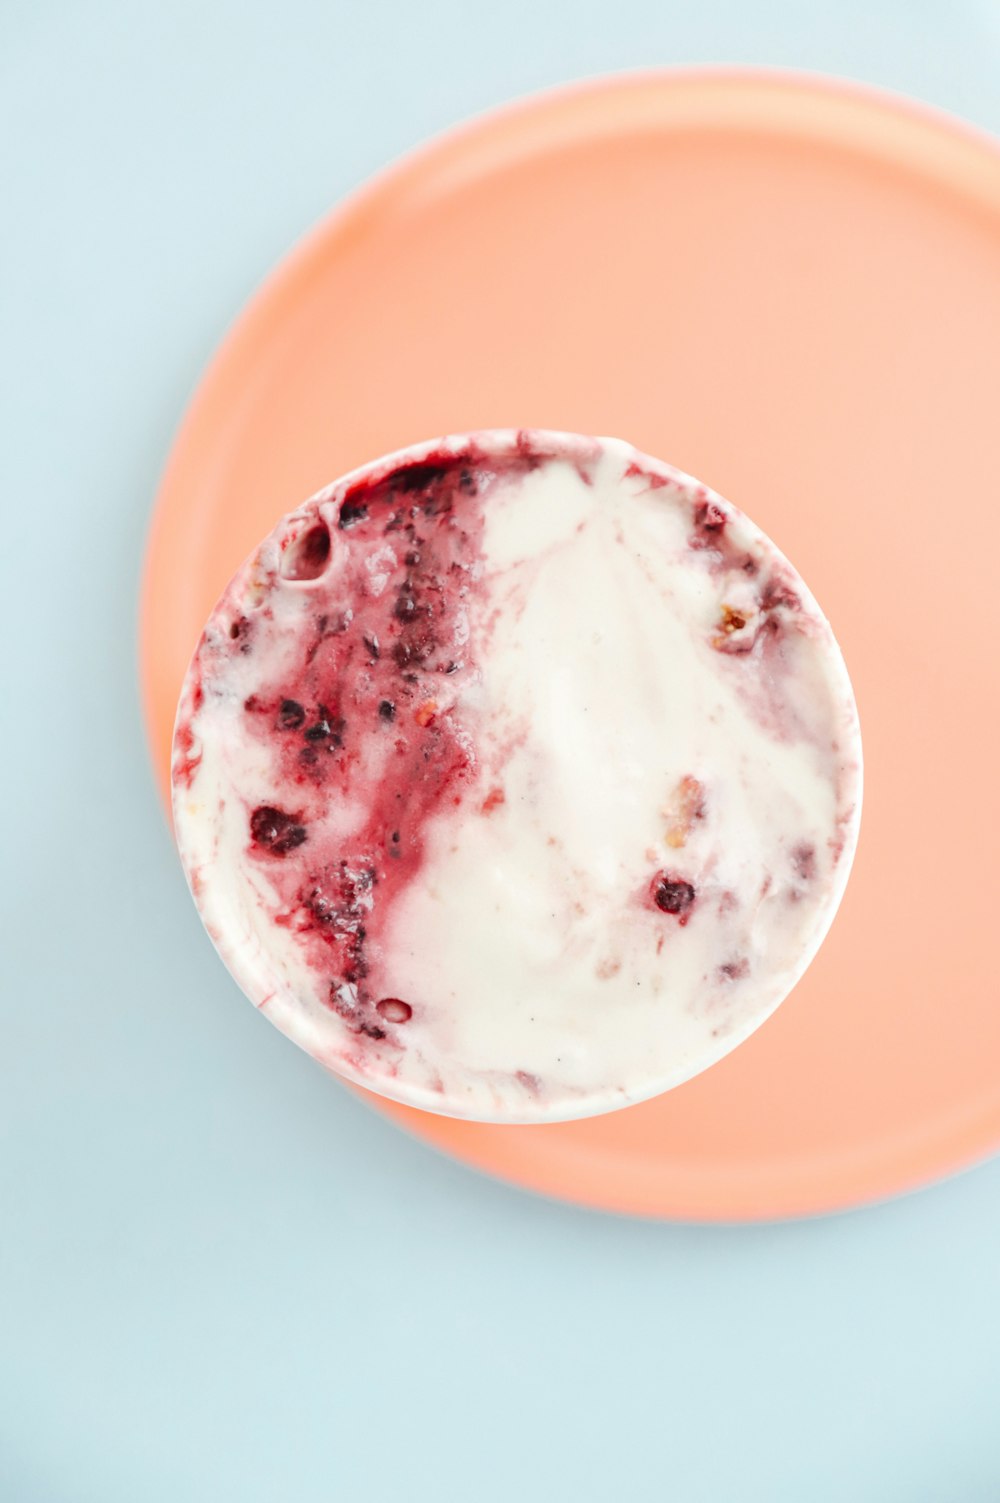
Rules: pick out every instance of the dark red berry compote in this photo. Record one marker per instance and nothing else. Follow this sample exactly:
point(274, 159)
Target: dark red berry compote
point(517, 776)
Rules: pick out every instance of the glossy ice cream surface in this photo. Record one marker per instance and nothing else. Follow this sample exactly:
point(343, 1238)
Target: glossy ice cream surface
point(517, 776)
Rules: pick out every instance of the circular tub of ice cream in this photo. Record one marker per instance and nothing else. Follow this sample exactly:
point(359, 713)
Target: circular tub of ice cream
point(517, 776)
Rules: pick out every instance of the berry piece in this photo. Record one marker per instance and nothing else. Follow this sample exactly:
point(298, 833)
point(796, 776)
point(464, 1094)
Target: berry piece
point(673, 894)
point(290, 715)
point(275, 830)
point(418, 477)
point(328, 727)
point(406, 607)
point(351, 513)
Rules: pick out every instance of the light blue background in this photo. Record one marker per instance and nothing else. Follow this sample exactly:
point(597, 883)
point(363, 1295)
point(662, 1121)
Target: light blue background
point(221, 1277)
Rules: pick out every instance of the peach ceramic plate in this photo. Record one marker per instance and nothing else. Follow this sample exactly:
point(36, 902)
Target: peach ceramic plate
point(791, 288)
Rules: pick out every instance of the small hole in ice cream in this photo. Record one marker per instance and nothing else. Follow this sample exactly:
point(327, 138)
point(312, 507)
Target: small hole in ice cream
point(308, 555)
point(393, 1010)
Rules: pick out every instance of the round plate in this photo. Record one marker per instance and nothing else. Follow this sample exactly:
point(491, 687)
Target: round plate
point(790, 288)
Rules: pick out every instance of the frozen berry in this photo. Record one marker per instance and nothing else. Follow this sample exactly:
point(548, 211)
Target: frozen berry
point(351, 513)
point(275, 830)
point(387, 710)
point(328, 727)
point(672, 895)
point(418, 477)
point(290, 715)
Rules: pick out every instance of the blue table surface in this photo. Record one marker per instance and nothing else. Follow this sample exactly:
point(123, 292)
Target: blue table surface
point(220, 1276)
